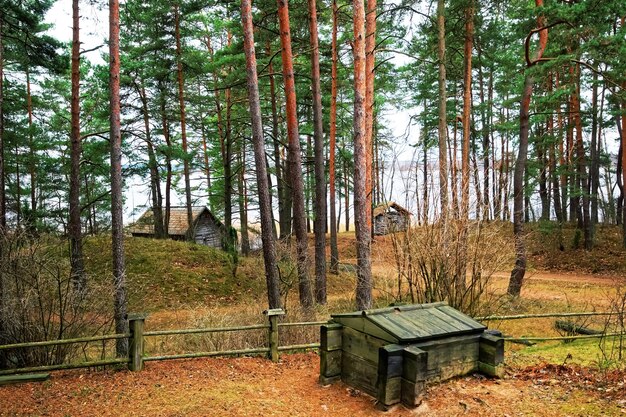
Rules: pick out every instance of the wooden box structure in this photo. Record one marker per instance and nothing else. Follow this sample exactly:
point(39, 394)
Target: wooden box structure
point(391, 353)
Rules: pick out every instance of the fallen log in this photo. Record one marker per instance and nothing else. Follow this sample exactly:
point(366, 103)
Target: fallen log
point(573, 328)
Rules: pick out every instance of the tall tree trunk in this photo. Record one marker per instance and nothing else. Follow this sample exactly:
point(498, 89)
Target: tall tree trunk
point(623, 160)
point(183, 122)
point(3, 201)
point(295, 164)
point(282, 190)
point(267, 237)
point(581, 163)
point(594, 170)
point(32, 166)
point(205, 157)
point(226, 148)
point(319, 225)
point(117, 232)
point(79, 279)
point(558, 208)
point(362, 230)
point(443, 164)
point(168, 163)
point(3, 296)
point(334, 251)
point(370, 60)
point(243, 202)
point(18, 189)
point(346, 182)
point(465, 154)
point(467, 109)
point(155, 180)
point(485, 138)
point(518, 272)
point(542, 158)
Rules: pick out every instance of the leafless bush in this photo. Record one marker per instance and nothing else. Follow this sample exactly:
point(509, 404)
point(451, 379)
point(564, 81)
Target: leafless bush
point(452, 261)
point(612, 348)
point(40, 303)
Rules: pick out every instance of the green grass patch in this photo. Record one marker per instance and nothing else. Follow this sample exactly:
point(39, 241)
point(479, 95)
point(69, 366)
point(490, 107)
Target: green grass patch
point(598, 353)
point(171, 274)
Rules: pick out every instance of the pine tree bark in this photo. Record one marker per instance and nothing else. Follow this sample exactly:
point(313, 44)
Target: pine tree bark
point(155, 179)
point(517, 274)
point(183, 122)
point(282, 180)
point(370, 61)
point(243, 202)
point(77, 266)
point(31, 163)
point(334, 251)
point(3, 358)
point(485, 139)
point(362, 229)
point(467, 108)
point(117, 231)
point(168, 162)
point(623, 160)
point(581, 162)
point(267, 236)
point(465, 154)
point(226, 148)
point(594, 170)
point(319, 225)
point(295, 164)
point(442, 129)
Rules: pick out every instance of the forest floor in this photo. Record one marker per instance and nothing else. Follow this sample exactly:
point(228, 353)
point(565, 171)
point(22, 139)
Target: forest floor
point(582, 378)
point(258, 387)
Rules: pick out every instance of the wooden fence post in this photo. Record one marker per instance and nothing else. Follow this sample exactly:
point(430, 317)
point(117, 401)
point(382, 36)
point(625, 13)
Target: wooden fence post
point(273, 315)
point(135, 351)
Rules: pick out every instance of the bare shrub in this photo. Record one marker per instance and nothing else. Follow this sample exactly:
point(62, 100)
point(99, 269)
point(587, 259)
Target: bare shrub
point(39, 302)
point(612, 348)
point(452, 261)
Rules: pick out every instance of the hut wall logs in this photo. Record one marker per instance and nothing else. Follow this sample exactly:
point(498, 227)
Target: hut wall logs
point(392, 353)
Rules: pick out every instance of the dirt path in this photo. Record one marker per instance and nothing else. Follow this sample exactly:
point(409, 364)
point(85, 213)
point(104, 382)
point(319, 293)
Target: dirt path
point(257, 387)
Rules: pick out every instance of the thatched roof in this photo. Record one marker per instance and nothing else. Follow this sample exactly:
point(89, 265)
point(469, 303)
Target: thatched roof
point(178, 221)
point(385, 207)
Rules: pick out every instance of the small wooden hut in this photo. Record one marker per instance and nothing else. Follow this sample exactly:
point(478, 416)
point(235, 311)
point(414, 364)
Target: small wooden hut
point(206, 229)
point(389, 218)
point(391, 353)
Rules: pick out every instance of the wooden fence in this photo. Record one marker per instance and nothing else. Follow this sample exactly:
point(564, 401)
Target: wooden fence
point(137, 335)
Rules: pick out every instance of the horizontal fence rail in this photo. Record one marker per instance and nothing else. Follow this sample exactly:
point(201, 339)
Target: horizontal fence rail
point(206, 330)
point(66, 341)
point(61, 367)
point(137, 337)
point(544, 315)
point(207, 354)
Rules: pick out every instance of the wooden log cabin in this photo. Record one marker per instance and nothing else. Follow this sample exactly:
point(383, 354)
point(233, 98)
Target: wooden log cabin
point(390, 218)
point(391, 353)
point(206, 229)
